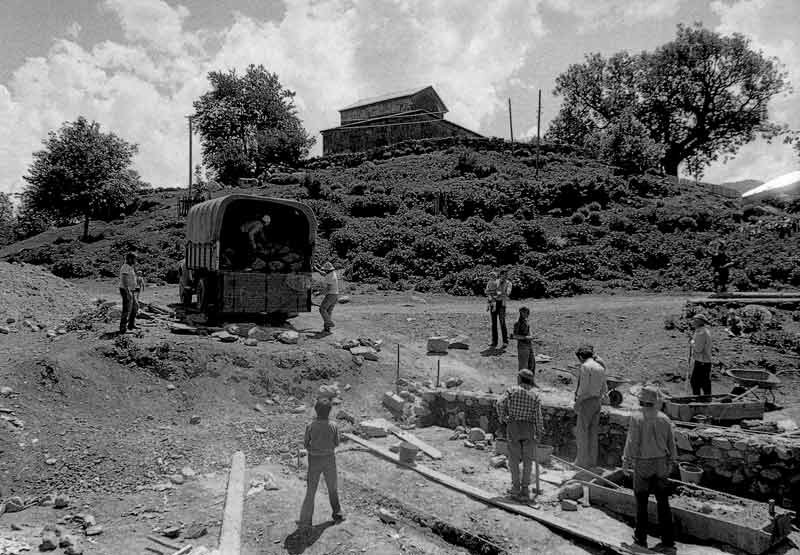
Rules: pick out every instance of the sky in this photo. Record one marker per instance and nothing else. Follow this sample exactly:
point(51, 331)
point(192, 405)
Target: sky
point(135, 66)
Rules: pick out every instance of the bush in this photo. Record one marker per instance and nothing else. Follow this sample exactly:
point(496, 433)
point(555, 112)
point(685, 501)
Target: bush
point(578, 218)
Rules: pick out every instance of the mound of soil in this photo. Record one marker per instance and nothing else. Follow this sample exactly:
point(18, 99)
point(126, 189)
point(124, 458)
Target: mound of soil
point(30, 293)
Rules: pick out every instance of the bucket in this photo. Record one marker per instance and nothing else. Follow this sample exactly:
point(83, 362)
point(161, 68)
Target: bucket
point(407, 452)
point(543, 453)
point(690, 473)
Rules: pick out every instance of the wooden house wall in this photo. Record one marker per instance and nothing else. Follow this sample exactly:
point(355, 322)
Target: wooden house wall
point(358, 139)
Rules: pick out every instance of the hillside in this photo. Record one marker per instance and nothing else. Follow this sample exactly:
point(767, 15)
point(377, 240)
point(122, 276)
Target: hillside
point(435, 215)
point(743, 185)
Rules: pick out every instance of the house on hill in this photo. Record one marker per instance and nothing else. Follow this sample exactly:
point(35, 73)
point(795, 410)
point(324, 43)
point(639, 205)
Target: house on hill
point(389, 119)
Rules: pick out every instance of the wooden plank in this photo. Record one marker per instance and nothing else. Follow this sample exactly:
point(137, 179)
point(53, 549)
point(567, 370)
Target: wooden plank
point(230, 537)
point(582, 532)
point(432, 452)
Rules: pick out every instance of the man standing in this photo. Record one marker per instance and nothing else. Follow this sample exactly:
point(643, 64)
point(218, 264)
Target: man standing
point(701, 353)
point(650, 451)
point(520, 410)
point(591, 389)
point(526, 358)
point(721, 263)
point(331, 288)
point(490, 291)
point(256, 231)
point(128, 284)
point(498, 300)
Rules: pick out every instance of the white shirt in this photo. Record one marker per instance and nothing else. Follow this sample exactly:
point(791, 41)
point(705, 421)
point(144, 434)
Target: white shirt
point(331, 281)
point(127, 277)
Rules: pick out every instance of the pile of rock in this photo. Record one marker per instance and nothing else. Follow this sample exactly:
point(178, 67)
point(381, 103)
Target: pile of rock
point(440, 345)
point(362, 348)
point(474, 438)
point(252, 335)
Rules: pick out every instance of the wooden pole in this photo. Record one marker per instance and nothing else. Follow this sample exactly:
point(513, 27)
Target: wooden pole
point(538, 131)
point(438, 368)
point(397, 379)
point(589, 472)
point(190, 155)
point(230, 537)
point(510, 121)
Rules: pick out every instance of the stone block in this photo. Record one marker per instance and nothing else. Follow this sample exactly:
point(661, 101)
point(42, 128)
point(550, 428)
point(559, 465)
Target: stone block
point(740, 445)
point(735, 454)
point(484, 423)
point(682, 441)
point(459, 342)
point(686, 457)
point(393, 402)
point(752, 458)
point(429, 396)
point(374, 428)
point(438, 344)
point(721, 443)
point(707, 452)
point(784, 453)
point(449, 396)
point(771, 474)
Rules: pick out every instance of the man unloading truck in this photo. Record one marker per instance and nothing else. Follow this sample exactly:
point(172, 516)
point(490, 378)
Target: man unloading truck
point(330, 290)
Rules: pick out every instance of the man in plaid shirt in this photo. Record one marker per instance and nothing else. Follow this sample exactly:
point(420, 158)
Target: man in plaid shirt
point(519, 409)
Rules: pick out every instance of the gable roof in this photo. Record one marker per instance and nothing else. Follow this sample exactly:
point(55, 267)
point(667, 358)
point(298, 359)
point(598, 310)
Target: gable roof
point(390, 96)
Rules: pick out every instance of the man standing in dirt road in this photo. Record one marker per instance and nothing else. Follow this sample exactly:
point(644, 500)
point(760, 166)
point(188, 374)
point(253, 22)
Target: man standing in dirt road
point(650, 451)
point(128, 284)
point(331, 288)
point(498, 301)
point(591, 389)
point(520, 410)
point(701, 353)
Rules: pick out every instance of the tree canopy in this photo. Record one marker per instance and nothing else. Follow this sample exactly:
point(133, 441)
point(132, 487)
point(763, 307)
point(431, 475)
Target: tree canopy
point(82, 173)
point(247, 122)
point(699, 96)
point(6, 219)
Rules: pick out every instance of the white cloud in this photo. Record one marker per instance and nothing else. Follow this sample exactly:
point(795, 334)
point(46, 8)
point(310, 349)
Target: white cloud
point(601, 13)
point(772, 27)
point(73, 30)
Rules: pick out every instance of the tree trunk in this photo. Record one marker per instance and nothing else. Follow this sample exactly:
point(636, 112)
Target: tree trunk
point(86, 228)
point(670, 165)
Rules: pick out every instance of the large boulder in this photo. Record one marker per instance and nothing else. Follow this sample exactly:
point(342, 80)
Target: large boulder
point(290, 337)
point(459, 342)
point(438, 345)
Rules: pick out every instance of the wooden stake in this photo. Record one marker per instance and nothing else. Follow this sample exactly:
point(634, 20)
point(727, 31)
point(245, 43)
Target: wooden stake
point(230, 537)
point(510, 121)
point(438, 369)
point(397, 379)
point(538, 131)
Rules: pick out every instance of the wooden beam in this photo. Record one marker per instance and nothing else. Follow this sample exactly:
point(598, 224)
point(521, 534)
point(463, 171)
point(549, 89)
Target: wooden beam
point(230, 536)
point(573, 529)
point(432, 452)
point(165, 543)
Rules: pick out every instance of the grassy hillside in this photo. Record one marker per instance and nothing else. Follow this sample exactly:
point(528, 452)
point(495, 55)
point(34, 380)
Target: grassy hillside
point(577, 227)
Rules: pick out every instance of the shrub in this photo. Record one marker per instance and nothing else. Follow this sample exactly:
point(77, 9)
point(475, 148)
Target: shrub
point(578, 218)
point(594, 218)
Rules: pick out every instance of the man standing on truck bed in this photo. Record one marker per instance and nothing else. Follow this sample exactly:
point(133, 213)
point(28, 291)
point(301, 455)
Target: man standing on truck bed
point(331, 292)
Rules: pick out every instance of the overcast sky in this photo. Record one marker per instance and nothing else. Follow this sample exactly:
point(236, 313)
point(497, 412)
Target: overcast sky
point(136, 65)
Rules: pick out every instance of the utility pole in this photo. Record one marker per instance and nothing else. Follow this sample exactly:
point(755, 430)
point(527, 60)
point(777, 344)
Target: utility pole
point(510, 121)
point(538, 131)
point(190, 155)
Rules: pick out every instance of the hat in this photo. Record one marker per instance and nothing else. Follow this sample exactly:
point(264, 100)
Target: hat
point(526, 376)
point(266, 218)
point(649, 394)
point(328, 266)
point(701, 316)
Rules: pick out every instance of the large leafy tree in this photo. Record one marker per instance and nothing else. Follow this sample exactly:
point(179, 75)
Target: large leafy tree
point(700, 96)
point(82, 173)
point(247, 122)
point(6, 219)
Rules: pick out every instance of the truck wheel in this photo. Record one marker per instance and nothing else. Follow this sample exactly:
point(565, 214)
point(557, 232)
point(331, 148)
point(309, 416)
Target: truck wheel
point(277, 318)
point(614, 398)
point(203, 294)
point(186, 296)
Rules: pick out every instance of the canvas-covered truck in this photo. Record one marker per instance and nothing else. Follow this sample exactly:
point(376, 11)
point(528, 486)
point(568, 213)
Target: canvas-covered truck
point(249, 255)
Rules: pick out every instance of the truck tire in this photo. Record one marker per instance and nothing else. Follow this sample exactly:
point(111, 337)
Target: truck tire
point(203, 294)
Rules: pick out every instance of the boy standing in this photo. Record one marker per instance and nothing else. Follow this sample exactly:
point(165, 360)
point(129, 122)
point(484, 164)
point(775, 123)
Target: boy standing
point(650, 451)
point(331, 289)
point(522, 333)
point(701, 352)
point(321, 440)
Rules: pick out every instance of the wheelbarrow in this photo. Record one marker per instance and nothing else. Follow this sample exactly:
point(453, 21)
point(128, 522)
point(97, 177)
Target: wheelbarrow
point(750, 381)
point(614, 396)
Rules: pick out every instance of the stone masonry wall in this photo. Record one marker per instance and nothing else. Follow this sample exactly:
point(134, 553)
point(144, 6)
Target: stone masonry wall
point(750, 465)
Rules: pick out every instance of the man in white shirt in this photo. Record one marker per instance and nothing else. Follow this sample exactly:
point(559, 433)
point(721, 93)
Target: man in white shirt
point(498, 300)
point(592, 387)
point(701, 352)
point(331, 288)
point(128, 284)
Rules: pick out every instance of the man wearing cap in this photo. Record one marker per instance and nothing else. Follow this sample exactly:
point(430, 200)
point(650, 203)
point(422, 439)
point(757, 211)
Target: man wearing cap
point(650, 451)
point(701, 352)
point(520, 410)
point(589, 393)
point(331, 291)
point(128, 283)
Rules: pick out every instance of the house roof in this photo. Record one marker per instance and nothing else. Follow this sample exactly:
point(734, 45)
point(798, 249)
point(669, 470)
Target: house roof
point(390, 96)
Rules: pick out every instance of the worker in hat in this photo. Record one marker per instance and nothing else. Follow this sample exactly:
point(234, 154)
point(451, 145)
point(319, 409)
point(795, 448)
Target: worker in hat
point(700, 349)
point(592, 388)
point(256, 231)
point(331, 287)
point(650, 451)
point(128, 283)
point(521, 412)
point(721, 263)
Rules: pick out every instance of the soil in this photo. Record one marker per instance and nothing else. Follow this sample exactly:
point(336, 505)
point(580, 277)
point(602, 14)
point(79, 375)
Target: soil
point(108, 421)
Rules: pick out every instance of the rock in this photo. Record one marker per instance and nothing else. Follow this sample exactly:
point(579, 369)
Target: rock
point(438, 345)
point(5, 391)
point(66, 540)
point(94, 530)
point(346, 416)
point(51, 333)
point(15, 527)
point(86, 520)
point(395, 447)
point(762, 313)
point(706, 509)
point(453, 382)
point(30, 325)
point(373, 356)
point(299, 409)
point(498, 461)
point(194, 419)
point(225, 336)
point(194, 531)
point(386, 516)
point(51, 461)
point(469, 444)
point(260, 430)
point(541, 359)
point(363, 350)
point(259, 408)
point(260, 334)
point(250, 342)
point(569, 505)
point(61, 331)
point(344, 299)
point(171, 532)
point(476, 435)
point(358, 360)
point(468, 469)
point(61, 501)
point(682, 441)
point(74, 549)
point(570, 490)
point(458, 342)
point(328, 391)
point(170, 387)
point(374, 428)
point(177, 479)
point(771, 474)
point(393, 402)
point(289, 337)
point(187, 472)
point(49, 540)
point(348, 387)
point(5, 330)
point(14, 505)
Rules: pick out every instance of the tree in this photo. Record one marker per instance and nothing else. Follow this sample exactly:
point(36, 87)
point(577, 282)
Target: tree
point(700, 95)
point(626, 143)
point(6, 219)
point(247, 122)
point(82, 173)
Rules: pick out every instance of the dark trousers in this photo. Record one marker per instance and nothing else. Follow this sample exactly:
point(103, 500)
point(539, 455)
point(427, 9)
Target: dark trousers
point(701, 378)
point(521, 447)
point(651, 476)
point(525, 356)
point(326, 310)
point(721, 276)
point(320, 465)
point(499, 313)
point(130, 307)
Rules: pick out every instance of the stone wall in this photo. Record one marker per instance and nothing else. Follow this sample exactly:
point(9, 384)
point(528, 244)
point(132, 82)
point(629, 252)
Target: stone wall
point(758, 466)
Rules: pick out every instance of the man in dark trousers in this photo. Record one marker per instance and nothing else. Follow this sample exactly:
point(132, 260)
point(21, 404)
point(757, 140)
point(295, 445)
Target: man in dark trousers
point(498, 301)
point(701, 353)
point(650, 451)
point(721, 263)
point(128, 283)
point(521, 412)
